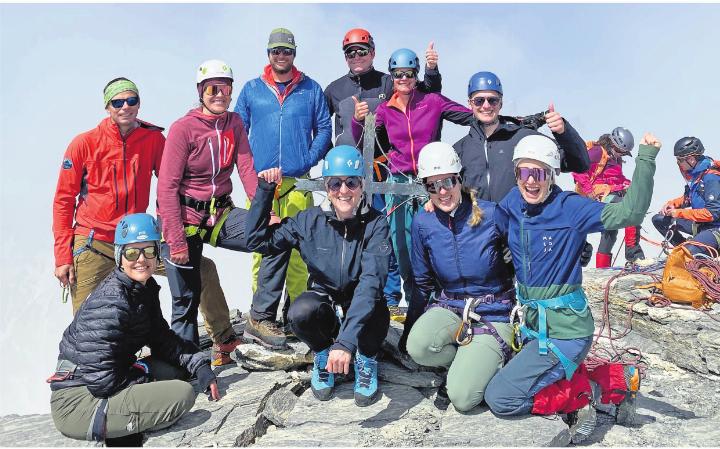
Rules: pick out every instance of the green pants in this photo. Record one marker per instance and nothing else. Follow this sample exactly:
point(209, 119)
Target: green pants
point(148, 406)
point(91, 268)
point(293, 273)
point(432, 343)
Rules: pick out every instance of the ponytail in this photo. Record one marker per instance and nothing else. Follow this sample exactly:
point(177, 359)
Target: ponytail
point(477, 214)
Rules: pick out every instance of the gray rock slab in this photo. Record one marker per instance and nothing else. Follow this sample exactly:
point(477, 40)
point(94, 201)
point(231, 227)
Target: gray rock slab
point(392, 373)
point(234, 416)
point(34, 431)
point(256, 357)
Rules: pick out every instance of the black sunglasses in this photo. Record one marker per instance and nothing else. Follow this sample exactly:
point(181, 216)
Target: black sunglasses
point(133, 254)
point(400, 74)
point(445, 183)
point(357, 53)
point(282, 51)
point(118, 103)
point(335, 184)
point(479, 101)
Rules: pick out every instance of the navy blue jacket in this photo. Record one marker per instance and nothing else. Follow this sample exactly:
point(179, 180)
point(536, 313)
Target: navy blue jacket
point(464, 260)
point(487, 161)
point(347, 260)
point(701, 200)
point(118, 318)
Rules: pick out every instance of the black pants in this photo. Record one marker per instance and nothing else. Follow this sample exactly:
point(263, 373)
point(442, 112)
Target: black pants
point(663, 223)
point(313, 320)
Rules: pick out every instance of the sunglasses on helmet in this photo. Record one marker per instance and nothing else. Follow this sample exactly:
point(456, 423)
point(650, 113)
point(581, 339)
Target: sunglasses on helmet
point(133, 254)
point(445, 183)
point(351, 182)
point(538, 174)
point(131, 101)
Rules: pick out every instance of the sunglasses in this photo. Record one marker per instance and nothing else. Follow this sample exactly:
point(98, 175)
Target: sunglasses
point(479, 101)
point(218, 88)
point(538, 174)
point(133, 254)
point(131, 101)
point(282, 51)
point(445, 183)
point(351, 182)
point(400, 74)
point(358, 53)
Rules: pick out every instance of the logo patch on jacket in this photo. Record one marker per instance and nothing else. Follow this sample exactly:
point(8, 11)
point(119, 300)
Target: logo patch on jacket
point(66, 164)
point(384, 248)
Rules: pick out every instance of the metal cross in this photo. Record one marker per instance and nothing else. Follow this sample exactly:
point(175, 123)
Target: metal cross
point(396, 188)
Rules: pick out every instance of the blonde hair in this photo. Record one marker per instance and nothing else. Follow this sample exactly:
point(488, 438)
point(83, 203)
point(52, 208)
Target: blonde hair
point(477, 213)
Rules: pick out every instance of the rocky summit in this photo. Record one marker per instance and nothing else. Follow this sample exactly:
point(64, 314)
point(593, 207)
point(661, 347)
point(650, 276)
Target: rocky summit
point(266, 400)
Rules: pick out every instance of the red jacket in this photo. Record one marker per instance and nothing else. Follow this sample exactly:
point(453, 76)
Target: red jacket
point(200, 153)
point(109, 176)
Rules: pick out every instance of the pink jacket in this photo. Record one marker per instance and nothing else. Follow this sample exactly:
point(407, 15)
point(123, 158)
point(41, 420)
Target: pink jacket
point(197, 162)
point(611, 175)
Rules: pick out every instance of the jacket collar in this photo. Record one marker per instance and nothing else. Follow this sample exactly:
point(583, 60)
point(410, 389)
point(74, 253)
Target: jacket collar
point(362, 210)
point(532, 210)
point(507, 124)
point(461, 213)
point(268, 78)
point(415, 97)
point(135, 289)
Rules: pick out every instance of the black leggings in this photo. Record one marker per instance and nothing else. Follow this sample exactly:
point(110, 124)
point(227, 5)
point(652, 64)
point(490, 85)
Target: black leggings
point(313, 320)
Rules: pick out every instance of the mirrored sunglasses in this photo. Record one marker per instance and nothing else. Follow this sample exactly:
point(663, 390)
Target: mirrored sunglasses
point(479, 101)
point(282, 51)
point(131, 101)
point(218, 88)
point(357, 53)
point(351, 182)
point(400, 74)
point(538, 174)
point(445, 183)
point(133, 254)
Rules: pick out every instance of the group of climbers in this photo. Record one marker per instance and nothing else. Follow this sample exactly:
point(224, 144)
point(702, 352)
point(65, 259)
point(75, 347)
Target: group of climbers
point(483, 243)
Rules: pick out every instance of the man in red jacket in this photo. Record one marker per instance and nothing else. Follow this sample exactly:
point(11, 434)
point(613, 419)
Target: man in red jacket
point(105, 175)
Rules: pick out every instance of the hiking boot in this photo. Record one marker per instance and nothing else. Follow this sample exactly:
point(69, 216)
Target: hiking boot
point(221, 351)
point(626, 411)
point(609, 409)
point(322, 382)
point(397, 314)
point(582, 423)
point(366, 383)
point(266, 333)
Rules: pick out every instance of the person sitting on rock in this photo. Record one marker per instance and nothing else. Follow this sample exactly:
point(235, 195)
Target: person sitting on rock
point(345, 244)
point(698, 208)
point(458, 246)
point(605, 182)
point(100, 390)
point(546, 231)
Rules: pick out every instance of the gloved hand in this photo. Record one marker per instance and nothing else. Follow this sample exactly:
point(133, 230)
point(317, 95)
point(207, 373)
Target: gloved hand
point(207, 383)
point(586, 254)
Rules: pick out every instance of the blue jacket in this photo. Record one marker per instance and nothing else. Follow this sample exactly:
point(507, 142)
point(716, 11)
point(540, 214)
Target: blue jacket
point(701, 200)
point(347, 260)
point(464, 260)
point(290, 130)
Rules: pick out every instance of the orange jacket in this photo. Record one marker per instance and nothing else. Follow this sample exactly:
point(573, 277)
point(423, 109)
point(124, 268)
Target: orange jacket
point(102, 178)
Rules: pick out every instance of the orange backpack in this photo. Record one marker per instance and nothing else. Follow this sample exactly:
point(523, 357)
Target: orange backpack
point(678, 284)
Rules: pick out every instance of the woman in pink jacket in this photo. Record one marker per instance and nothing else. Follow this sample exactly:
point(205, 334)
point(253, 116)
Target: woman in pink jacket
point(605, 182)
point(194, 187)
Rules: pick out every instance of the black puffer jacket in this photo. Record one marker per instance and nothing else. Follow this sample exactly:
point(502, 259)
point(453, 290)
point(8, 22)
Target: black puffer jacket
point(487, 161)
point(346, 259)
point(118, 318)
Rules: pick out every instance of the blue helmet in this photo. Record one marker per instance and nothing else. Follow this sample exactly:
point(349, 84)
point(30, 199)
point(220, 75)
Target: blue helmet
point(135, 228)
point(403, 58)
point(484, 81)
point(343, 160)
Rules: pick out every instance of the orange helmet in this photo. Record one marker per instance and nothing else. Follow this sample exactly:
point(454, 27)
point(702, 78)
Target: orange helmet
point(358, 36)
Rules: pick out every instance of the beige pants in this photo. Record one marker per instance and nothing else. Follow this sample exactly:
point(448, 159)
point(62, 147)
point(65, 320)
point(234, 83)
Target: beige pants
point(91, 268)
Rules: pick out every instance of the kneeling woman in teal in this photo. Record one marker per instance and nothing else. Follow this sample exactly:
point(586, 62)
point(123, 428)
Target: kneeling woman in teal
point(458, 245)
point(546, 231)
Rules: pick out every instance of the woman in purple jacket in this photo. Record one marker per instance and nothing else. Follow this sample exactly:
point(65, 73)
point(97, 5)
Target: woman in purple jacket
point(409, 120)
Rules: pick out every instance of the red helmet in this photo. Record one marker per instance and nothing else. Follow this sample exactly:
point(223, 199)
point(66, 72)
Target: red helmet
point(358, 36)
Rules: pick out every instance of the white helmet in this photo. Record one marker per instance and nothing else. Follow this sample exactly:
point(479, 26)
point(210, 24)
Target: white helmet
point(214, 68)
point(540, 148)
point(438, 158)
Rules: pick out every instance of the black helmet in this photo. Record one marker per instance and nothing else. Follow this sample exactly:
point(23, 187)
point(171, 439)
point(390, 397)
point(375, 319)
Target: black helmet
point(687, 146)
point(622, 139)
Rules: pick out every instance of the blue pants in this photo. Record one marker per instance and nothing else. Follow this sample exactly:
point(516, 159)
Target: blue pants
point(511, 391)
point(708, 238)
point(184, 280)
point(664, 223)
point(400, 221)
point(392, 286)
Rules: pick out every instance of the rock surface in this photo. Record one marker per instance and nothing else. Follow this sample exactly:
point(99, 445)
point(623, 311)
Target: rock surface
point(266, 400)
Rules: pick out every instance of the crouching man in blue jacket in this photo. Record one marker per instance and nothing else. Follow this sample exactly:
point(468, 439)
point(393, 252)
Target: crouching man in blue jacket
point(345, 244)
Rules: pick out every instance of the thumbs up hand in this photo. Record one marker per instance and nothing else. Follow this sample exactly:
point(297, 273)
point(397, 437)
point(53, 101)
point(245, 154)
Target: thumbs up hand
point(361, 109)
point(554, 120)
point(431, 56)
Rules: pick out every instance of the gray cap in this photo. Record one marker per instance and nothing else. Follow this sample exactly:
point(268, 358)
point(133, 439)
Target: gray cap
point(281, 37)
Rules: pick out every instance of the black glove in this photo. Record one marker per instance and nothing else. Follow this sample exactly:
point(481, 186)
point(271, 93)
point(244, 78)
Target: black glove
point(139, 373)
point(586, 254)
point(204, 376)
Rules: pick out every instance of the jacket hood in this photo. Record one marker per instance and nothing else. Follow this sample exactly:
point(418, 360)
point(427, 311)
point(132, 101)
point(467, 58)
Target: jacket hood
point(209, 120)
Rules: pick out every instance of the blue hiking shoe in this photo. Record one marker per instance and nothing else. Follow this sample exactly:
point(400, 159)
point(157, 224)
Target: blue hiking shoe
point(366, 382)
point(322, 382)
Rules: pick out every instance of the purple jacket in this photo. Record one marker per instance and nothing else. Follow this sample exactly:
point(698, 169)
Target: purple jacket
point(408, 132)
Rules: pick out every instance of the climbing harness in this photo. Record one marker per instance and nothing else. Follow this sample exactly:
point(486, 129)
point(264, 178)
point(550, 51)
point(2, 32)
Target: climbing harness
point(208, 234)
point(88, 247)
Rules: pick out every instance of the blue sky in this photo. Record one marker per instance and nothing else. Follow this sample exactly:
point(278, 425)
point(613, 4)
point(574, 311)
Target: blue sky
point(643, 66)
